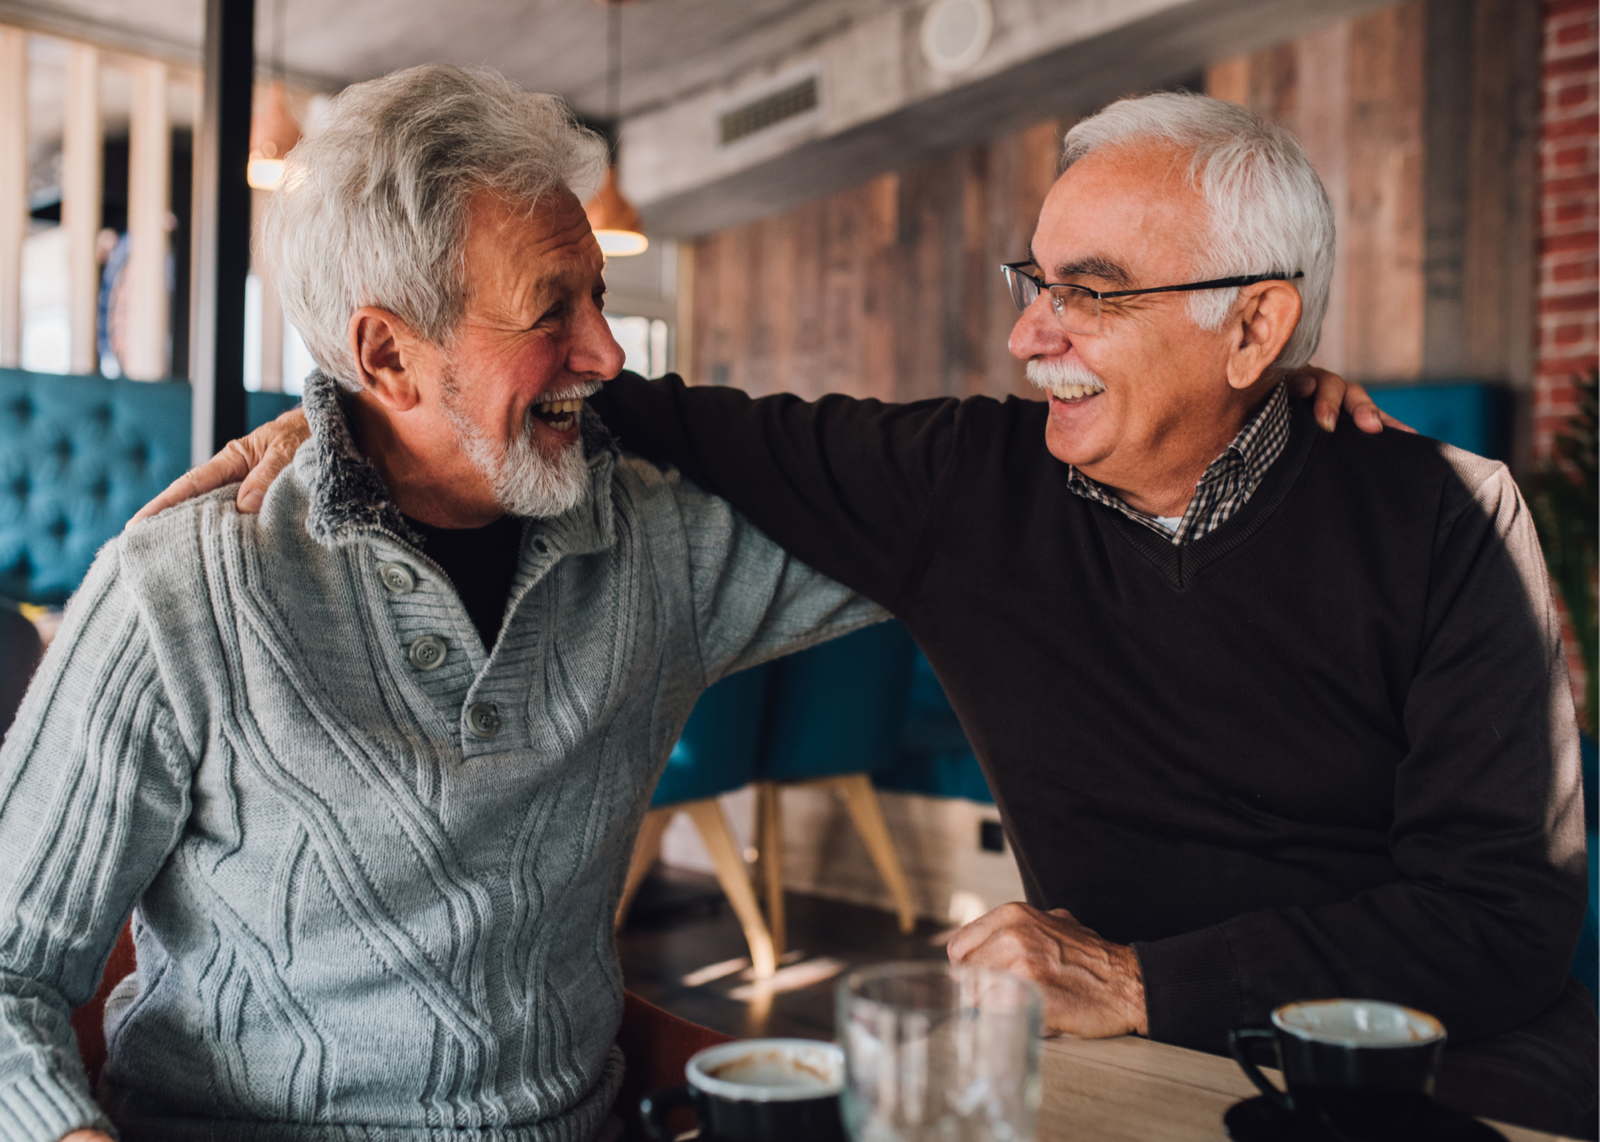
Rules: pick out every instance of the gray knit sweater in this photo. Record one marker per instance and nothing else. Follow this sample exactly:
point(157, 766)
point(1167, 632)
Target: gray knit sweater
point(372, 891)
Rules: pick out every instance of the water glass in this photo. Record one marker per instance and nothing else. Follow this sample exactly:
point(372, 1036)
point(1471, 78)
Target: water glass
point(938, 1053)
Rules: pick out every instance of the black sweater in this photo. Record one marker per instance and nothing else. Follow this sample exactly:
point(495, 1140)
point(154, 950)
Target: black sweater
point(1328, 749)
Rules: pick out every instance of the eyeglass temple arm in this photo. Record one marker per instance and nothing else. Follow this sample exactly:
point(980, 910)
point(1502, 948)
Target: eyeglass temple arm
point(1215, 283)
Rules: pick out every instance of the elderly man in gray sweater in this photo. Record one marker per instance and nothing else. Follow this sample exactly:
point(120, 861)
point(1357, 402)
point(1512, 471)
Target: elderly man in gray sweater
point(368, 798)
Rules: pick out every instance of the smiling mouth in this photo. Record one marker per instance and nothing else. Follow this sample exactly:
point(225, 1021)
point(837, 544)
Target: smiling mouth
point(561, 410)
point(1070, 394)
point(560, 415)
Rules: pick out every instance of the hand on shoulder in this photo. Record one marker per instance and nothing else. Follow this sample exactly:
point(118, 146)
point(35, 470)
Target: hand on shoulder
point(1332, 394)
point(256, 460)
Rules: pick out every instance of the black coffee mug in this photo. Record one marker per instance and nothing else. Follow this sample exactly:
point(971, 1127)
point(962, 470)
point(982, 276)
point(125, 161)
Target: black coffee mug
point(757, 1090)
point(1364, 1067)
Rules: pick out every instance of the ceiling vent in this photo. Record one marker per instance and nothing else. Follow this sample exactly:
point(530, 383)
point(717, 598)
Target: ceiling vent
point(792, 100)
point(955, 34)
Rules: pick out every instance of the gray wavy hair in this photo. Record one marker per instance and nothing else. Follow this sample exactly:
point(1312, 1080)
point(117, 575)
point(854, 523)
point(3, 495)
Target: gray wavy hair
point(373, 208)
point(1268, 210)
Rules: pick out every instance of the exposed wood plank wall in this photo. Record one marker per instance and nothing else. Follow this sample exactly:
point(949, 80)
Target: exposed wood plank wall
point(1419, 117)
point(890, 289)
point(1353, 94)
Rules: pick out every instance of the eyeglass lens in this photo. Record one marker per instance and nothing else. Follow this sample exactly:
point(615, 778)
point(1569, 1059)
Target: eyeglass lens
point(1076, 309)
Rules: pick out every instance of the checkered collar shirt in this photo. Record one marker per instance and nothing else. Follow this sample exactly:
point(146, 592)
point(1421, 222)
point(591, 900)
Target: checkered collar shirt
point(1227, 483)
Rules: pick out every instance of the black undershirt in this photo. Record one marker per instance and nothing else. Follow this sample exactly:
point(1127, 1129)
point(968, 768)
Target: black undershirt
point(481, 563)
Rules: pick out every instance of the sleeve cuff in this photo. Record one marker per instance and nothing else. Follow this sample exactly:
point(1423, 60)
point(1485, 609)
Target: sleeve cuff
point(46, 1111)
point(1191, 989)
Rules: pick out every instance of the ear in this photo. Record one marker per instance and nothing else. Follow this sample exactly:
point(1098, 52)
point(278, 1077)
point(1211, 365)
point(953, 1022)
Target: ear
point(1265, 318)
point(388, 354)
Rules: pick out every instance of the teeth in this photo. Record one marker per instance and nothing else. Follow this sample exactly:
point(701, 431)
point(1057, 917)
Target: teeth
point(1075, 392)
point(559, 407)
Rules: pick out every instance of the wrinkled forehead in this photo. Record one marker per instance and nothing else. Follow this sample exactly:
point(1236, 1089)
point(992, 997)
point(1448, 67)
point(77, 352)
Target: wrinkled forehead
point(1130, 205)
point(518, 247)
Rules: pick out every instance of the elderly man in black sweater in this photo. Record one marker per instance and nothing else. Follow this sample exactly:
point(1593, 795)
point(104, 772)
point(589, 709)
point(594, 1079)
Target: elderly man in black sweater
point(1270, 714)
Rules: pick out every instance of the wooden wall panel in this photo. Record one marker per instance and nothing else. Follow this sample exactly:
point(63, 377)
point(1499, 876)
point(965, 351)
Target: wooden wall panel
point(1419, 119)
point(1383, 246)
point(1353, 95)
point(890, 289)
point(1322, 123)
point(1410, 113)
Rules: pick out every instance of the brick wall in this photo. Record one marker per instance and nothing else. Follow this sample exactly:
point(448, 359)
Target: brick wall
point(1567, 342)
point(1569, 217)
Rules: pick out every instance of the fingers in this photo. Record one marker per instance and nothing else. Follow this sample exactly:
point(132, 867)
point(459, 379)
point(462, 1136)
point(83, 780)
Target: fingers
point(278, 456)
point(185, 487)
point(1304, 380)
point(1327, 390)
point(971, 936)
point(1332, 395)
point(256, 460)
point(1362, 410)
point(270, 449)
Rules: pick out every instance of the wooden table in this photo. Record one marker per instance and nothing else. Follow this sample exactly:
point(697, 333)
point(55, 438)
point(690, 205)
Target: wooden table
point(1132, 1090)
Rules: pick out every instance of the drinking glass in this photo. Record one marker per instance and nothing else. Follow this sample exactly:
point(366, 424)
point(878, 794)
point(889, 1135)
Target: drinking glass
point(937, 1053)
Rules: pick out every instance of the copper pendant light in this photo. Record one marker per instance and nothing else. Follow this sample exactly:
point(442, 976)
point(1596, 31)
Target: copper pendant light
point(273, 133)
point(273, 130)
point(612, 217)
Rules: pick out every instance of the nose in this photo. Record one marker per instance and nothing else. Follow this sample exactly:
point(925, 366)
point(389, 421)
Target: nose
point(1038, 332)
point(593, 351)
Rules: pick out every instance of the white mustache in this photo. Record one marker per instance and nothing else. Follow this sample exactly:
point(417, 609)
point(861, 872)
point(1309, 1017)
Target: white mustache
point(576, 392)
point(1052, 374)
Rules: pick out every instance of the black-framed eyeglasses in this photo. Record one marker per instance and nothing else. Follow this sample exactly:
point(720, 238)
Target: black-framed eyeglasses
point(1078, 307)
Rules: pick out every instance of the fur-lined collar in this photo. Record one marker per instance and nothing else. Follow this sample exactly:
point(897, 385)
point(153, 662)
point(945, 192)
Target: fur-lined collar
point(348, 497)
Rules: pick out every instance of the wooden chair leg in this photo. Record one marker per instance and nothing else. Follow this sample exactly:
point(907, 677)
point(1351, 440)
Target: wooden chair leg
point(735, 880)
point(646, 850)
point(769, 814)
point(862, 802)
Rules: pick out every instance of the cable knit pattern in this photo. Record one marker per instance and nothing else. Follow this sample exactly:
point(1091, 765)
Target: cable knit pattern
point(355, 918)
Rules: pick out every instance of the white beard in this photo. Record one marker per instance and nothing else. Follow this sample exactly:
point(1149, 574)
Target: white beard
point(526, 480)
point(1055, 374)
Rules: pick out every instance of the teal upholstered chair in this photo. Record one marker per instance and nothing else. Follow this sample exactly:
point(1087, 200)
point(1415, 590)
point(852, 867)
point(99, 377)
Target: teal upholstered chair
point(935, 759)
point(716, 754)
point(836, 717)
point(1474, 415)
point(78, 456)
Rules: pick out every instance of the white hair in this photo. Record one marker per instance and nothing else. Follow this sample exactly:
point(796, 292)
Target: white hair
point(1268, 210)
point(373, 208)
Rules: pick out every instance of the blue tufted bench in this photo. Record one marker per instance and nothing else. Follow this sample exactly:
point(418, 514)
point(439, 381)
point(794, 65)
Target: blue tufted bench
point(78, 456)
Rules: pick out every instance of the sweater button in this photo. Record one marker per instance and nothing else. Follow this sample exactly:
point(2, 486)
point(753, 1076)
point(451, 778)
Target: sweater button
point(483, 719)
point(398, 578)
point(428, 652)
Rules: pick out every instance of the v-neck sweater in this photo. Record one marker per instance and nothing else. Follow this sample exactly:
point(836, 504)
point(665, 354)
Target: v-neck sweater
point(1326, 749)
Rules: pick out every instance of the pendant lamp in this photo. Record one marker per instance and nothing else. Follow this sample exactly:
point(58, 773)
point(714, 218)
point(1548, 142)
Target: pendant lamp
point(611, 216)
point(614, 220)
point(273, 130)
